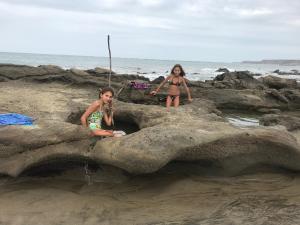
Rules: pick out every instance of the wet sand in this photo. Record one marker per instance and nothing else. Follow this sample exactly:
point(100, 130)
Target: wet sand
point(166, 197)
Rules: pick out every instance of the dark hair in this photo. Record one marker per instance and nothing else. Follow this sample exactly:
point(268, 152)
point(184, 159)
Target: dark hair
point(182, 73)
point(106, 89)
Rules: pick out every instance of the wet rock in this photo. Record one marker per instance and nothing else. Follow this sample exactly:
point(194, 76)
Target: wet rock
point(290, 122)
point(292, 72)
point(223, 70)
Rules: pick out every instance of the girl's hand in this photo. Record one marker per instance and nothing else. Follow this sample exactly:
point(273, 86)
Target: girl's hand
point(153, 92)
point(110, 133)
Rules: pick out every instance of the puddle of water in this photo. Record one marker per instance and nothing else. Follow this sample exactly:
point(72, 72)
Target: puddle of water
point(240, 121)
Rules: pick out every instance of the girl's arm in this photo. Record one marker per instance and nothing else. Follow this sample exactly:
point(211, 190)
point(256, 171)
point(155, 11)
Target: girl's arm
point(108, 118)
point(88, 112)
point(187, 90)
point(108, 133)
point(161, 85)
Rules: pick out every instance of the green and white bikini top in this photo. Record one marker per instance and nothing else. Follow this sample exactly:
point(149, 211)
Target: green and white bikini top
point(96, 117)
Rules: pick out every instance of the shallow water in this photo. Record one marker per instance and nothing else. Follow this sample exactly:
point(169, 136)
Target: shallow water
point(175, 195)
point(243, 120)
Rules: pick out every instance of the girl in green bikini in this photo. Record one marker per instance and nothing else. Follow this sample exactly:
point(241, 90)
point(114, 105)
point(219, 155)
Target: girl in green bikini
point(94, 114)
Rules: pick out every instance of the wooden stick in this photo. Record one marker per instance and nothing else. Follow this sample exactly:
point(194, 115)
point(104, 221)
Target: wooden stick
point(109, 77)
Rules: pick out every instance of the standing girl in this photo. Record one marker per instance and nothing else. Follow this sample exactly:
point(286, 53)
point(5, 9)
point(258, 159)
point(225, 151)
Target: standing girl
point(175, 80)
point(98, 110)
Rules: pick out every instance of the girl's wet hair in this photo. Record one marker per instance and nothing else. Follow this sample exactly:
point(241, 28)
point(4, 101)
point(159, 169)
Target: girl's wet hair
point(106, 89)
point(182, 73)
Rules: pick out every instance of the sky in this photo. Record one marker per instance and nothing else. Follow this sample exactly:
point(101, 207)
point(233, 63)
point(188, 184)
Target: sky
point(196, 30)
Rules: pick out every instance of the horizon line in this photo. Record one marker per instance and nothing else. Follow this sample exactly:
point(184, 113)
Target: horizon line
point(159, 59)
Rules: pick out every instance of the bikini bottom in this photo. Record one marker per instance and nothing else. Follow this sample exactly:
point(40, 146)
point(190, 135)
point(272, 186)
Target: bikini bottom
point(173, 97)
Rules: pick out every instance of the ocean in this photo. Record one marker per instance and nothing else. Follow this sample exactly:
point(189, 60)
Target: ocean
point(151, 68)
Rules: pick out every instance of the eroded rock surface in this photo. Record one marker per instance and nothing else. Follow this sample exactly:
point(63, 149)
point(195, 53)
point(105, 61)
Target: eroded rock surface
point(190, 133)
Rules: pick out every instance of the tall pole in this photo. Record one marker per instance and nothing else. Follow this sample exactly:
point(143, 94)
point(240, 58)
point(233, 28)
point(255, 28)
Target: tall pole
point(109, 77)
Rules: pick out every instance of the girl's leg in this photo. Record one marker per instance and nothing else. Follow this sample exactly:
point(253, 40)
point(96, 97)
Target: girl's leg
point(176, 101)
point(168, 102)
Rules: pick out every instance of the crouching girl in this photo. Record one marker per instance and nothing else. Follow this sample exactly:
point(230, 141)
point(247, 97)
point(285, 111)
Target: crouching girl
point(100, 110)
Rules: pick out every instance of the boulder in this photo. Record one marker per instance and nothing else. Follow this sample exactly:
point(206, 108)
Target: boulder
point(292, 72)
point(293, 95)
point(79, 72)
point(158, 80)
point(278, 83)
point(99, 70)
point(249, 100)
point(223, 70)
point(52, 69)
point(237, 80)
point(13, 72)
point(290, 122)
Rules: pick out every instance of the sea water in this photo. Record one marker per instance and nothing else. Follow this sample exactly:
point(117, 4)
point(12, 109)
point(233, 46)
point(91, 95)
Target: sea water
point(151, 68)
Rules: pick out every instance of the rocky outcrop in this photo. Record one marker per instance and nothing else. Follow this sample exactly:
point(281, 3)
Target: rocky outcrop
point(158, 80)
point(278, 83)
point(223, 70)
point(103, 73)
point(246, 100)
point(237, 80)
point(193, 132)
point(290, 122)
point(14, 72)
point(292, 72)
point(234, 90)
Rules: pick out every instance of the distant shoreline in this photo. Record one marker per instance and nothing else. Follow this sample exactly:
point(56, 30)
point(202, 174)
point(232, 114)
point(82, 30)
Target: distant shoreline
point(283, 62)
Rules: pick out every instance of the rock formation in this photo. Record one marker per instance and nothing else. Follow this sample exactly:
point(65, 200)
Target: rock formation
point(56, 98)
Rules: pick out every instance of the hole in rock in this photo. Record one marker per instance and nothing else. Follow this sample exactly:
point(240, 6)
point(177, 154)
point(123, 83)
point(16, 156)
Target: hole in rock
point(57, 166)
point(123, 122)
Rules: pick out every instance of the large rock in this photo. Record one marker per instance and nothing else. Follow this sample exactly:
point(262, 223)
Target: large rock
point(290, 122)
point(293, 95)
point(158, 80)
point(223, 70)
point(50, 74)
point(292, 72)
point(79, 72)
point(250, 100)
point(13, 72)
point(278, 83)
point(237, 80)
point(192, 132)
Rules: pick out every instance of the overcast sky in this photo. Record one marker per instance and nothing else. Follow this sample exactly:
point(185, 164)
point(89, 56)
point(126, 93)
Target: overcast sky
point(205, 30)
